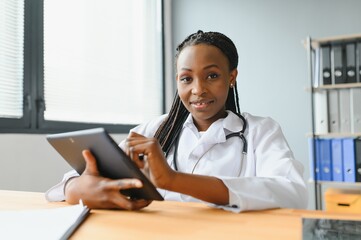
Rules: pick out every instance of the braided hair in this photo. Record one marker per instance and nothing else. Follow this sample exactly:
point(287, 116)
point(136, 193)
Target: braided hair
point(171, 127)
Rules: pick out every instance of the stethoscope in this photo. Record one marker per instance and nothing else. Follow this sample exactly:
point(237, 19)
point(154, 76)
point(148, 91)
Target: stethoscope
point(239, 134)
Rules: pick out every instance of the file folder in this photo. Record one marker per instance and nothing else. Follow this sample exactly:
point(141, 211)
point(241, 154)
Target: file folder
point(53, 223)
point(358, 159)
point(324, 148)
point(316, 69)
point(337, 165)
point(325, 64)
point(313, 156)
point(355, 110)
point(358, 62)
point(321, 113)
point(333, 111)
point(348, 156)
point(345, 110)
point(337, 64)
point(350, 62)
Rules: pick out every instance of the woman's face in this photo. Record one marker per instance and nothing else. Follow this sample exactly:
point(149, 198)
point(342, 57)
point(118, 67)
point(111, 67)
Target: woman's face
point(203, 82)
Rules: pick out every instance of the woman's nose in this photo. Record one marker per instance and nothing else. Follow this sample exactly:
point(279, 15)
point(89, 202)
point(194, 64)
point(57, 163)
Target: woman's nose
point(198, 87)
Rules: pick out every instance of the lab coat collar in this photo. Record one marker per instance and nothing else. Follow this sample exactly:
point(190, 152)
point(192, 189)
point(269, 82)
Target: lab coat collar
point(232, 123)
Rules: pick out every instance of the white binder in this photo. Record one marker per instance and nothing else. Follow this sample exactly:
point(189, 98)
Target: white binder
point(333, 111)
point(320, 106)
point(345, 111)
point(316, 70)
point(355, 110)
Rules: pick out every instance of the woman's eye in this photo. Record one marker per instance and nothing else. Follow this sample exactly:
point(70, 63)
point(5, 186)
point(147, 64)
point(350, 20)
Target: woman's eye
point(213, 75)
point(185, 79)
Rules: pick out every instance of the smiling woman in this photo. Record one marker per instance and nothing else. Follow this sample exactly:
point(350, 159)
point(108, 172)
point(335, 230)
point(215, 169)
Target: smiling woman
point(190, 154)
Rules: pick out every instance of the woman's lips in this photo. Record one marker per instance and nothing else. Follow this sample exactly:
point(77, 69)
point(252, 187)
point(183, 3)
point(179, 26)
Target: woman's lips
point(199, 105)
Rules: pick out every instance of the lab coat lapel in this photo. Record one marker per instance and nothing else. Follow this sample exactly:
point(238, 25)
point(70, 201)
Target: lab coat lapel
point(214, 135)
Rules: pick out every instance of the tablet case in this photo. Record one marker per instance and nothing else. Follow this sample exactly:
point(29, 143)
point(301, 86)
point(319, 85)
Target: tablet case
point(112, 162)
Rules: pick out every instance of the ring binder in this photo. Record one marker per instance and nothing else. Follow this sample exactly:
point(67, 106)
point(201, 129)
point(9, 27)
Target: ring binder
point(337, 64)
point(325, 64)
point(350, 62)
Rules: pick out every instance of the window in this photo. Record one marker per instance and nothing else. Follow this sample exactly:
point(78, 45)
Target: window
point(11, 62)
point(98, 63)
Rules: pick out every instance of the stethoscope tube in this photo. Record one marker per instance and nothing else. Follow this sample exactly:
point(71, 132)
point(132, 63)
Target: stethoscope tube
point(239, 134)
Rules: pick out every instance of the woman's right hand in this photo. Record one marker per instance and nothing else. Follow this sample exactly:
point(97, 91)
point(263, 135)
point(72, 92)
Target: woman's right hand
point(99, 192)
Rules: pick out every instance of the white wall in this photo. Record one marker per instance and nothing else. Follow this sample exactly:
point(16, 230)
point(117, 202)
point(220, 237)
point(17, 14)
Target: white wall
point(273, 71)
point(29, 163)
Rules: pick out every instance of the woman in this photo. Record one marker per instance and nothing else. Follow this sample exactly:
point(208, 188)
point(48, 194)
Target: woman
point(205, 149)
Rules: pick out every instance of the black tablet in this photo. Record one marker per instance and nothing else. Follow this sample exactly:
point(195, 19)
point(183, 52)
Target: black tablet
point(112, 162)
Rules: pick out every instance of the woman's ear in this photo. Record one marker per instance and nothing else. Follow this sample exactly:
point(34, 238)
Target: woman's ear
point(233, 77)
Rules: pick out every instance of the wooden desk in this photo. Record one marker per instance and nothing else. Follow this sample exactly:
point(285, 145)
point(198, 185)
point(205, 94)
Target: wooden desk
point(175, 220)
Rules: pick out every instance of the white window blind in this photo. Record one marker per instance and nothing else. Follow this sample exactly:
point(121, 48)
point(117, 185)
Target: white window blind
point(11, 58)
point(102, 60)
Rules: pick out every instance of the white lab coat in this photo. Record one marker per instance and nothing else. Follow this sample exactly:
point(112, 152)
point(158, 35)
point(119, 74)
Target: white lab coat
point(267, 177)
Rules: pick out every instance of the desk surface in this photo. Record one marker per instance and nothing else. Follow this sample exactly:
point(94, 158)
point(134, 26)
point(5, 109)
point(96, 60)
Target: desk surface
point(175, 220)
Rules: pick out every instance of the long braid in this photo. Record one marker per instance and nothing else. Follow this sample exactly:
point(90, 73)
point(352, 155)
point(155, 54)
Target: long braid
point(170, 129)
point(237, 98)
point(172, 125)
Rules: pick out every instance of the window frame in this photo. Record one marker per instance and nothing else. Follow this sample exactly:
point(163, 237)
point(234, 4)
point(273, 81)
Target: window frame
point(33, 81)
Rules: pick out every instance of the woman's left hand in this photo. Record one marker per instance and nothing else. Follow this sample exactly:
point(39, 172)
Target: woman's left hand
point(148, 154)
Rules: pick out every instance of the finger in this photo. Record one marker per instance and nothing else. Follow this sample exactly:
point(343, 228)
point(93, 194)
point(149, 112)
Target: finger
point(123, 184)
point(133, 141)
point(91, 164)
point(139, 204)
point(134, 134)
point(136, 156)
point(130, 204)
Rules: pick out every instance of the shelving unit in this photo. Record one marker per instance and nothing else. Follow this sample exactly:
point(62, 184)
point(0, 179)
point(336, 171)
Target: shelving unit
point(312, 45)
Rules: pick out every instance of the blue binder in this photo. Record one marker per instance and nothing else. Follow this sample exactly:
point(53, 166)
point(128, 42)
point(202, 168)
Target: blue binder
point(314, 172)
point(348, 154)
point(325, 159)
point(337, 164)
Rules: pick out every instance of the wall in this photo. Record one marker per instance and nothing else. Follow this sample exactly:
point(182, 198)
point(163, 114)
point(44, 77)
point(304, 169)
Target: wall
point(272, 69)
point(29, 163)
point(272, 73)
